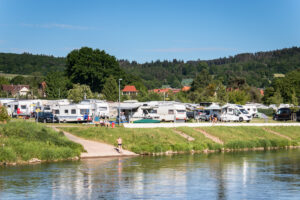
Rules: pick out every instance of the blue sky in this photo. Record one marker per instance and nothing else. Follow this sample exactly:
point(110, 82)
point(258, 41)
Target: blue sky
point(145, 30)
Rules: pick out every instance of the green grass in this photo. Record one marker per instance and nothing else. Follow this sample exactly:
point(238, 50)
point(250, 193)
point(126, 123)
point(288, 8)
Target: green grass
point(157, 140)
point(247, 137)
point(291, 131)
point(142, 141)
point(21, 141)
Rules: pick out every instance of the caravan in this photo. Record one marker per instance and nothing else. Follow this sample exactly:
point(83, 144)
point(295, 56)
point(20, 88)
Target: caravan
point(169, 112)
point(73, 112)
point(24, 108)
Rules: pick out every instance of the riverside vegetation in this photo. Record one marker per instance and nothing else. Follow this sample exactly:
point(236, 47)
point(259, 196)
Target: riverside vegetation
point(22, 141)
point(161, 140)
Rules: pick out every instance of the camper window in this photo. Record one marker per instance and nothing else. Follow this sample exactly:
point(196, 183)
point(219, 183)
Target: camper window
point(23, 106)
point(103, 108)
point(171, 112)
point(152, 111)
point(84, 111)
point(56, 112)
point(73, 111)
point(229, 109)
point(181, 111)
point(66, 111)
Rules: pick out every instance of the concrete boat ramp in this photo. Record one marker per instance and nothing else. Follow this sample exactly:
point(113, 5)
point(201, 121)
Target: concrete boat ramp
point(96, 149)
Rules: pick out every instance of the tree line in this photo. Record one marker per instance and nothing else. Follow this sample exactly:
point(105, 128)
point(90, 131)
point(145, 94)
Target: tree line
point(92, 73)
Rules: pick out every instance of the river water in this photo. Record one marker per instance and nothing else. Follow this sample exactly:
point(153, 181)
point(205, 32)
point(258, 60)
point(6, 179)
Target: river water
point(239, 175)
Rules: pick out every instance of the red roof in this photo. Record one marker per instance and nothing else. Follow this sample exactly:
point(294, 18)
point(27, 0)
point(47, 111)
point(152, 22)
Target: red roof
point(129, 88)
point(13, 89)
point(165, 90)
point(186, 88)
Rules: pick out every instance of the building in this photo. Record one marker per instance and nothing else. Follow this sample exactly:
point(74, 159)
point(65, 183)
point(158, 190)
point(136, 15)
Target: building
point(129, 90)
point(16, 90)
point(185, 88)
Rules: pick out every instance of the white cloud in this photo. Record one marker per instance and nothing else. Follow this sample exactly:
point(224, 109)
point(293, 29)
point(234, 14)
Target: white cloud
point(59, 26)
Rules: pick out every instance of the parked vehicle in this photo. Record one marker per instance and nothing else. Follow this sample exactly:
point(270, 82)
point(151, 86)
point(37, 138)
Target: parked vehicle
point(73, 113)
point(169, 112)
point(251, 109)
point(24, 108)
point(46, 117)
point(235, 113)
point(282, 114)
point(209, 112)
point(298, 115)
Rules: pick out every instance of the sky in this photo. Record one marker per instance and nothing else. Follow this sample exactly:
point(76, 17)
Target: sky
point(146, 30)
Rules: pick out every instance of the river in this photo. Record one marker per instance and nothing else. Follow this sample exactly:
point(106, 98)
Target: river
point(235, 175)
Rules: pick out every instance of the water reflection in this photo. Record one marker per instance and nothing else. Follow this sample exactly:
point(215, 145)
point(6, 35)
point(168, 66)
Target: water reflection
point(243, 175)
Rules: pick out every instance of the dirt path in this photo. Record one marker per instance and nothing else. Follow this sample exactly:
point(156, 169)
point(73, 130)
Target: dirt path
point(182, 134)
point(209, 136)
point(95, 149)
point(276, 133)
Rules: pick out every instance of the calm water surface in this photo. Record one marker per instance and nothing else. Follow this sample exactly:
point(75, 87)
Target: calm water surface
point(243, 175)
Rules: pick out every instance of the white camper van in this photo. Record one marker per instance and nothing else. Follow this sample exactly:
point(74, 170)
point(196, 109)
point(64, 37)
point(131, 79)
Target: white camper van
point(232, 112)
point(73, 112)
point(169, 112)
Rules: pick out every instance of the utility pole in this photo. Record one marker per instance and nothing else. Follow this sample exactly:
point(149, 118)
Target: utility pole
point(119, 99)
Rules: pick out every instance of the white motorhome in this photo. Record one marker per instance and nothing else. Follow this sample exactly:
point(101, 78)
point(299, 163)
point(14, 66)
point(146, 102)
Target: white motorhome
point(73, 112)
point(232, 112)
point(169, 112)
point(251, 109)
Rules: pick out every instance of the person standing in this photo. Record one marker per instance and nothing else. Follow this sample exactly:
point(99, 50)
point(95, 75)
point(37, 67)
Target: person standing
point(119, 140)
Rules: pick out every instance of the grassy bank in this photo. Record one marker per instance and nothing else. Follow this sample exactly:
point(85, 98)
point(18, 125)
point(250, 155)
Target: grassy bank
point(158, 140)
point(22, 141)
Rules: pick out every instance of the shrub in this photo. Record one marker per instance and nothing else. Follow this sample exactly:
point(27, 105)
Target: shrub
point(4, 117)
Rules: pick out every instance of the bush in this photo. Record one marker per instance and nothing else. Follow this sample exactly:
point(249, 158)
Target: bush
point(7, 154)
point(3, 114)
point(269, 112)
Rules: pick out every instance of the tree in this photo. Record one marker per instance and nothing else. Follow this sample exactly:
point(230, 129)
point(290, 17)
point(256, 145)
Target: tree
point(202, 80)
point(79, 93)
point(18, 80)
point(57, 85)
point(238, 97)
point(110, 89)
point(92, 67)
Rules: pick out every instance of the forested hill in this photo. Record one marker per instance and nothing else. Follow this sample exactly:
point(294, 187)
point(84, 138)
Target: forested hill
point(258, 68)
point(29, 64)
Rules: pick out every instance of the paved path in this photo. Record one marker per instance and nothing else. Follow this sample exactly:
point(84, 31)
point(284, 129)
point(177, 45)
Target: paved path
point(205, 124)
point(209, 136)
point(182, 134)
point(95, 149)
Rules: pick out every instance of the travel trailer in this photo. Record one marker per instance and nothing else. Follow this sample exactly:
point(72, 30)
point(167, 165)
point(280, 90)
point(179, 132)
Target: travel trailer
point(168, 112)
point(99, 108)
point(24, 108)
point(73, 112)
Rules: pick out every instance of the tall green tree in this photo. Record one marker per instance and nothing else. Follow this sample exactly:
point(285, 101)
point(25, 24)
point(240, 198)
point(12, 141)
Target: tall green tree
point(110, 89)
point(57, 85)
point(79, 93)
point(92, 67)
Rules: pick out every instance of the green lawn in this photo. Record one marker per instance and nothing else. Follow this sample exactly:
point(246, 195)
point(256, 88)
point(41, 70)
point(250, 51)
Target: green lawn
point(291, 131)
point(247, 137)
point(20, 141)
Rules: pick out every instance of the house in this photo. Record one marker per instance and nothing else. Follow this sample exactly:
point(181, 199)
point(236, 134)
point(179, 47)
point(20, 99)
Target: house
point(185, 88)
point(129, 90)
point(16, 90)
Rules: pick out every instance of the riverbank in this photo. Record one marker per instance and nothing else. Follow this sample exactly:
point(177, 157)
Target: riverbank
point(27, 142)
point(193, 139)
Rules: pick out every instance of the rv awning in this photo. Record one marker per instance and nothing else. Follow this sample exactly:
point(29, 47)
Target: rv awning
point(213, 107)
point(127, 107)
